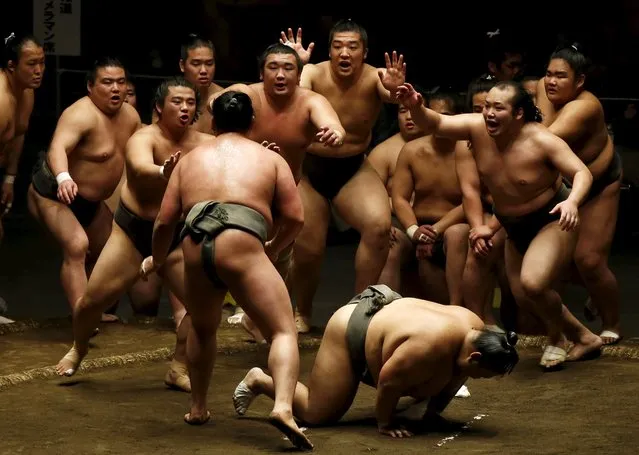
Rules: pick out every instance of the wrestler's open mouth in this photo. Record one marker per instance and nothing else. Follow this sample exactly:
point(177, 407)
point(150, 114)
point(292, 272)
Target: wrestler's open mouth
point(345, 65)
point(115, 98)
point(280, 85)
point(184, 117)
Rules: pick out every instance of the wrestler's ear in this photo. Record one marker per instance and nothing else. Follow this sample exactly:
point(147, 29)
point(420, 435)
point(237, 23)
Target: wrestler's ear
point(580, 81)
point(181, 65)
point(519, 114)
point(11, 65)
point(365, 53)
point(474, 357)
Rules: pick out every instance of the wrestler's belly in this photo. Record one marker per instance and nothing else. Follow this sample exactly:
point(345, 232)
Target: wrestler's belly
point(97, 180)
point(599, 164)
point(348, 149)
point(144, 203)
point(431, 210)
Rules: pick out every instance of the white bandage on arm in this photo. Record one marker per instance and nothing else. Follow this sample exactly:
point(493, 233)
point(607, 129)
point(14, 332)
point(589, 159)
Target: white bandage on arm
point(10, 179)
point(410, 232)
point(162, 172)
point(62, 177)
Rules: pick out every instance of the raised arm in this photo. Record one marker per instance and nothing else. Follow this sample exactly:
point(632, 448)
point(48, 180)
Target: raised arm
point(288, 212)
point(457, 127)
point(391, 77)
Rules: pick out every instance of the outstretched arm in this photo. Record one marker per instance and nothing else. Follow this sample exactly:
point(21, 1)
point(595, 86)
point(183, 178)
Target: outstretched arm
point(167, 220)
point(457, 127)
point(287, 207)
point(330, 130)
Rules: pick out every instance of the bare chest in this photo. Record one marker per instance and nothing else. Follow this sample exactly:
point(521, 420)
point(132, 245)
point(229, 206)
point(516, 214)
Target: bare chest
point(106, 140)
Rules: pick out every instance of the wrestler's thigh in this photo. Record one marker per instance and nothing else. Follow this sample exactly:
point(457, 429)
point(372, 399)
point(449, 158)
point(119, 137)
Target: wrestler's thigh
point(363, 201)
point(116, 269)
point(60, 221)
point(317, 216)
point(597, 222)
point(202, 299)
point(332, 383)
point(99, 230)
point(547, 257)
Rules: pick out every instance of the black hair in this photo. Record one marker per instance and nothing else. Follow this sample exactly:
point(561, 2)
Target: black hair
point(279, 48)
point(347, 25)
point(500, 44)
point(103, 62)
point(447, 95)
point(521, 100)
point(479, 85)
point(498, 353)
point(574, 56)
point(162, 91)
point(11, 47)
point(233, 112)
point(194, 41)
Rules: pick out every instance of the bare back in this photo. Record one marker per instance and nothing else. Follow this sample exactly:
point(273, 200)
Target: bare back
point(141, 196)
point(96, 162)
point(432, 165)
point(289, 125)
point(519, 178)
point(439, 329)
point(358, 105)
point(582, 124)
point(230, 169)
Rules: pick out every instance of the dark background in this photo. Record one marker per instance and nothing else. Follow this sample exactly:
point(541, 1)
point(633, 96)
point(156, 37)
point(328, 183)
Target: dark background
point(444, 43)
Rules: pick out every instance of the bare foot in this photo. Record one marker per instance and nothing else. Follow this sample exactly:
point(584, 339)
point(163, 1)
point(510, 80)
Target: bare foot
point(286, 424)
point(178, 377)
point(106, 317)
point(246, 391)
point(251, 328)
point(70, 363)
point(588, 347)
point(193, 418)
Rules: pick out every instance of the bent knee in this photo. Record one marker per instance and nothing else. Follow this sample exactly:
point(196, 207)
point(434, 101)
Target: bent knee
point(77, 248)
point(532, 286)
point(377, 230)
point(591, 262)
point(457, 234)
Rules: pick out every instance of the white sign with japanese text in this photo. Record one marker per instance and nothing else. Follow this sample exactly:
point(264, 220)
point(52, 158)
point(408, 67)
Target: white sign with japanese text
point(56, 23)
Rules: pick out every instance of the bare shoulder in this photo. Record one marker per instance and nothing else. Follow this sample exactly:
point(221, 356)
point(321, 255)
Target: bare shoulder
point(393, 143)
point(130, 114)
point(540, 137)
point(313, 69)
point(82, 112)
point(202, 138)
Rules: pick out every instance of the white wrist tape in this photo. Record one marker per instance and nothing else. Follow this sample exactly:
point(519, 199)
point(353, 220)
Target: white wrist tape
point(10, 179)
point(162, 172)
point(410, 232)
point(62, 177)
